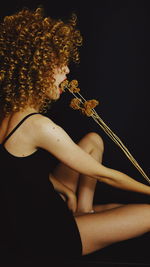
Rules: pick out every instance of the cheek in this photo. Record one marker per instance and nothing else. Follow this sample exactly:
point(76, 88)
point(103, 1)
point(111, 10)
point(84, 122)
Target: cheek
point(59, 78)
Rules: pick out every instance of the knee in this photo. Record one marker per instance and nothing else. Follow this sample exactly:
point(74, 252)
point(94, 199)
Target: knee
point(146, 213)
point(96, 140)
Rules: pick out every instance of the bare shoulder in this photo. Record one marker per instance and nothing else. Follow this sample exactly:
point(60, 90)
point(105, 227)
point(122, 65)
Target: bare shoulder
point(34, 126)
point(53, 138)
point(48, 131)
point(42, 122)
point(56, 140)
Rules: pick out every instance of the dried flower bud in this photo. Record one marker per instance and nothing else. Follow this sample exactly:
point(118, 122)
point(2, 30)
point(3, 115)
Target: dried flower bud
point(91, 103)
point(74, 90)
point(87, 111)
point(64, 85)
point(75, 103)
point(73, 83)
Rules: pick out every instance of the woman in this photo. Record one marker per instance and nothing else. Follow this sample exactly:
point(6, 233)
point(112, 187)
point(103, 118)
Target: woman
point(50, 212)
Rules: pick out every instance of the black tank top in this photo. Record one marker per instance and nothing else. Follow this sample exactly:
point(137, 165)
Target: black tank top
point(35, 220)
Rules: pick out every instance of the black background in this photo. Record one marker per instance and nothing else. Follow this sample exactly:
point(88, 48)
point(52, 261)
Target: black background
point(113, 69)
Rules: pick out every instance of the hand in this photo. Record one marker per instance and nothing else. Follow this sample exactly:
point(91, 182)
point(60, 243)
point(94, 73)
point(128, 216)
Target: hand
point(71, 201)
point(66, 193)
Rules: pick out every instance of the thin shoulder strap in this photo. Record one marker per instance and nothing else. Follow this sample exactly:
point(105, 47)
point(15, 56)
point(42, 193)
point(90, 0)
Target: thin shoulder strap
point(16, 127)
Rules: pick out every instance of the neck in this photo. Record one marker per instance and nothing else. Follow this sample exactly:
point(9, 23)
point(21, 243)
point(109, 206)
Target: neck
point(28, 110)
point(24, 112)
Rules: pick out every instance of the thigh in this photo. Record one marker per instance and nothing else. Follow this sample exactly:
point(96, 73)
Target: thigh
point(99, 230)
point(70, 177)
point(103, 207)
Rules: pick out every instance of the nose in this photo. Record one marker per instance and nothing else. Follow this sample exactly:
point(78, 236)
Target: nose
point(67, 70)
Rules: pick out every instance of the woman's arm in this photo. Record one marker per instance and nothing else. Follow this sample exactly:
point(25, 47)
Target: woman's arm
point(54, 139)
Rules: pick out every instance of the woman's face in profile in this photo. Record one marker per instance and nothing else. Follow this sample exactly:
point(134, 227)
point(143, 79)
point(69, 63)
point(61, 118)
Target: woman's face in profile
point(60, 76)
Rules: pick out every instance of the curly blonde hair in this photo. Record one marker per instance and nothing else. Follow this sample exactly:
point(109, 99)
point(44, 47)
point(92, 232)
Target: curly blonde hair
point(31, 47)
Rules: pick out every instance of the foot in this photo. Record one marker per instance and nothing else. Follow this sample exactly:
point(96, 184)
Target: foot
point(80, 213)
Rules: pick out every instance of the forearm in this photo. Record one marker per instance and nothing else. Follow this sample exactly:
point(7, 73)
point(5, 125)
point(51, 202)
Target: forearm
point(77, 159)
point(122, 181)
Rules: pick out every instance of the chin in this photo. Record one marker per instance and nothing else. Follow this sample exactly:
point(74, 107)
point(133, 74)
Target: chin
point(56, 97)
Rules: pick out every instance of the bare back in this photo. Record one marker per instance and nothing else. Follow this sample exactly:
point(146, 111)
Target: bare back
point(20, 143)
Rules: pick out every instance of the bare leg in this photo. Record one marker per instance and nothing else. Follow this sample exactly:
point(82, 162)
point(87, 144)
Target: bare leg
point(102, 229)
point(92, 144)
point(103, 207)
point(86, 186)
point(100, 208)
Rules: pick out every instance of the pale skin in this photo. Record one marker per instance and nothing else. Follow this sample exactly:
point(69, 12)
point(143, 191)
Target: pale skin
point(80, 168)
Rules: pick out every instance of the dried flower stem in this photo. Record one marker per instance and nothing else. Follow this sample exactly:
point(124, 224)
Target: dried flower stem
point(72, 89)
